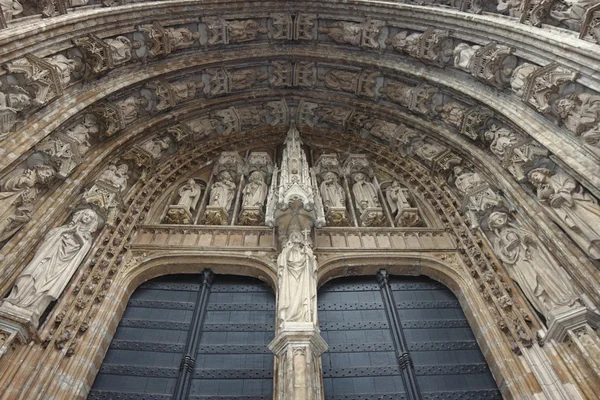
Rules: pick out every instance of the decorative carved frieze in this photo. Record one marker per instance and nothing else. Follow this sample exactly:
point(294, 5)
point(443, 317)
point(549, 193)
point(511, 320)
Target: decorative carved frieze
point(359, 83)
point(191, 132)
point(146, 155)
point(112, 118)
point(225, 81)
point(421, 99)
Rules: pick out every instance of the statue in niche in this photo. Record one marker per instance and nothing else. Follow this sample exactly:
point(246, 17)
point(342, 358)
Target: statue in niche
point(246, 78)
point(570, 206)
point(579, 113)
point(341, 80)
point(81, 132)
point(18, 194)
point(332, 192)
point(189, 195)
point(255, 191)
point(116, 176)
point(479, 197)
point(297, 267)
point(54, 263)
point(222, 191)
point(157, 145)
point(129, 108)
point(12, 101)
point(510, 7)
point(515, 152)
point(404, 214)
point(181, 38)
point(186, 90)
point(570, 14)
point(120, 48)
point(343, 32)
point(365, 193)
point(542, 281)
point(10, 8)
point(244, 31)
point(65, 66)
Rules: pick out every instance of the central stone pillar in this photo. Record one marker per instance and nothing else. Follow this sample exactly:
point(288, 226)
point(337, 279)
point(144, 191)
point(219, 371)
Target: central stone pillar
point(294, 206)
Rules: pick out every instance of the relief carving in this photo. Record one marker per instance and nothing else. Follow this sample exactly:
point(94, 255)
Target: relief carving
point(164, 41)
point(404, 214)
point(478, 197)
point(105, 196)
point(171, 94)
point(364, 34)
point(13, 100)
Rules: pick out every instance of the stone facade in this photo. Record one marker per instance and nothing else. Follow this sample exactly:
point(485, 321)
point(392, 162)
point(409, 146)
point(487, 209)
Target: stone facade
point(473, 160)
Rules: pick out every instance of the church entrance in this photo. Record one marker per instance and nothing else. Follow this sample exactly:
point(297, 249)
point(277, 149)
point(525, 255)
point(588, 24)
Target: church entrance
point(399, 338)
point(192, 337)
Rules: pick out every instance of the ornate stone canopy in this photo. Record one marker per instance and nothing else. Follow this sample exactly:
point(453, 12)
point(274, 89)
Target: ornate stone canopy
point(486, 116)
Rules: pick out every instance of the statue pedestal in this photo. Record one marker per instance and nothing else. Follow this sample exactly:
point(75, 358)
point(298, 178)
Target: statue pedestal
point(252, 216)
point(298, 371)
point(178, 215)
point(562, 321)
point(373, 217)
point(215, 215)
point(16, 324)
point(407, 217)
point(337, 216)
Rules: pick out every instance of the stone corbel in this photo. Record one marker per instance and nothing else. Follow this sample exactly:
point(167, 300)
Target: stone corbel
point(590, 28)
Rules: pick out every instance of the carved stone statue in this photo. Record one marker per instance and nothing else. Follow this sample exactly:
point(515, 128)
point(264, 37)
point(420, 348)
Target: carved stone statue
point(478, 196)
point(116, 176)
point(365, 193)
point(404, 214)
point(120, 48)
point(181, 38)
point(54, 263)
point(516, 152)
point(246, 78)
point(18, 194)
point(65, 66)
point(81, 133)
point(222, 191)
point(343, 32)
point(12, 102)
point(10, 8)
point(542, 281)
point(189, 194)
point(341, 80)
point(255, 191)
point(129, 108)
point(535, 84)
point(297, 269)
point(579, 113)
point(510, 7)
point(452, 113)
point(244, 30)
point(570, 206)
point(493, 63)
point(157, 145)
point(332, 192)
point(571, 13)
point(186, 90)
point(433, 45)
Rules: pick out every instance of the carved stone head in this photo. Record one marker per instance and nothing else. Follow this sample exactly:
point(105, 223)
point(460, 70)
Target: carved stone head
point(539, 176)
point(497, 220)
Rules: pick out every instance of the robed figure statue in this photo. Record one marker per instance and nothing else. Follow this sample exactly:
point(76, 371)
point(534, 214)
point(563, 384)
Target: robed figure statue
point(543, 283)
point(55, 262)
point(297, 267)
point(365, 193)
